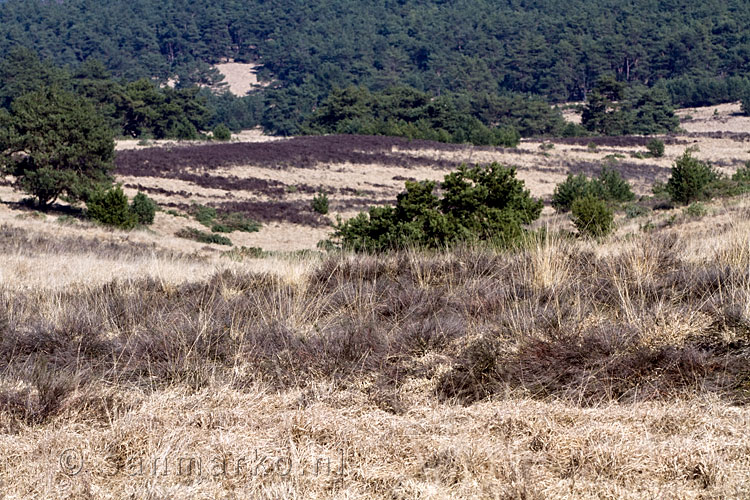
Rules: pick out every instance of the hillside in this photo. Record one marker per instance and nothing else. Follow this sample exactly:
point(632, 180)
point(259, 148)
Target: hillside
point(554, 49)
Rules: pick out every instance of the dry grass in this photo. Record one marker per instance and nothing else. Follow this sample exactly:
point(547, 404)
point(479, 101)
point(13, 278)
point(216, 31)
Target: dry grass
point(722, 118)
point(564, 369)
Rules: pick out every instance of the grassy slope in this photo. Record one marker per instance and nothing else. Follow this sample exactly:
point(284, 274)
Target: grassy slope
point(563, 370)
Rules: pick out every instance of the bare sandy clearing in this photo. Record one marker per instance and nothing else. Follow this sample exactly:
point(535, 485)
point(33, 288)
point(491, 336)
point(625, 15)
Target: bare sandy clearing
point(718, 118)
point(239, 77)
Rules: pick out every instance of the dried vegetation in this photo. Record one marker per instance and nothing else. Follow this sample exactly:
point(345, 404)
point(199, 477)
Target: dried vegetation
point(560, 370)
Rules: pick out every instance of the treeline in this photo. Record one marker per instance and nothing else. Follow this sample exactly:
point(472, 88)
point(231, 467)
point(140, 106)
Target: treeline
point(459, 118)
point(614, 109)
point(549, 48)
point(144, 109)
point(139, 108)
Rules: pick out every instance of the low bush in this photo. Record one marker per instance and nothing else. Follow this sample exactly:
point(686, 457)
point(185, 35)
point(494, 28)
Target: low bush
point(609, 187)
point(203, 214)
point(224, 222)
point(222, 133)
point(737, 184)
point(592, 217)
point(236, 221)
point(144, 209)
point(634, 210)
point(203, 237)
point(320, 203)
point(696, 210)
point(691, 179)
point(111, 209)
point(483, 203)
point(655, 148)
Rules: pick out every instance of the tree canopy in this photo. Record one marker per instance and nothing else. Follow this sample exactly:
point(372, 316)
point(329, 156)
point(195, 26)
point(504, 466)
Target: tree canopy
point(55, 143)
point(486, 55)
point(546, 47)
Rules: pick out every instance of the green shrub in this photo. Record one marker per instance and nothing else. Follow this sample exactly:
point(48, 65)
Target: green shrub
point(659, 188)
point(222, 133)
point(111, 209)
point(634, 210)
point(236, 221)
point(592, 217)
point(478, 204)
point(609, 186)
point(723, 186)
point(507, 137)
point(203, 214)
point(696, 210)
point(320, 203)
point(144, 209)
point(175, 213)
point(223, 222)
point(742, 175)
point(655, 148)
point(690, 180)
point(574, 186)
point(203, 237)
point(613, 157)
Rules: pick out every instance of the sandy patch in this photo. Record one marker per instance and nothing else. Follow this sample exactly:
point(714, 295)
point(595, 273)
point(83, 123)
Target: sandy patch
point(718, 118)
point(240, 78)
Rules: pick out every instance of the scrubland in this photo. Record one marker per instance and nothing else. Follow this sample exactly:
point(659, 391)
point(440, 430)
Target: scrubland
point(140, 365)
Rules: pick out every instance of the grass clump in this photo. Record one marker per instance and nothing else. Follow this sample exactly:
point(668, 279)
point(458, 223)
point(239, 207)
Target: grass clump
point(241, 253)
point(203, 237)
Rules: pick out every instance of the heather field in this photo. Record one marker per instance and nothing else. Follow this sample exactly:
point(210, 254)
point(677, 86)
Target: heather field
point(274, 181)
point(138, 364)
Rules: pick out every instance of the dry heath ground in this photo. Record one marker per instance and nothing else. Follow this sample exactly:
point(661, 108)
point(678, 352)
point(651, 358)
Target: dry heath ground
point(142, 365)
point(562, 369)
